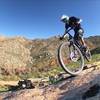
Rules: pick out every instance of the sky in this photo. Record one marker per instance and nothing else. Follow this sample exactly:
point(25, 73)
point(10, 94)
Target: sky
point(41, 18)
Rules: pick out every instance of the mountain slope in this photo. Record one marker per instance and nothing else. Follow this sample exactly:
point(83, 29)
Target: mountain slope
point(95, 40)
point(20, 56)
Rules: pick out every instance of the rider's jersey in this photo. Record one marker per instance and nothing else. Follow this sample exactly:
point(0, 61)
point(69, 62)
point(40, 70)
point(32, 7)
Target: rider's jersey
point(73, 23)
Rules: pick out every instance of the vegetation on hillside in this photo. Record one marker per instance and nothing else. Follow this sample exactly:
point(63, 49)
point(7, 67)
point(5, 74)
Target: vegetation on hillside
point(21, 58)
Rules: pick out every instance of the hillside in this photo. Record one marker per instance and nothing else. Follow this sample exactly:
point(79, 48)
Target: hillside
point(95, 40)
point(22, 58)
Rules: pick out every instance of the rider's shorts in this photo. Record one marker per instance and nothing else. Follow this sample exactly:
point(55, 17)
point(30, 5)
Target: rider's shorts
point(78, 33)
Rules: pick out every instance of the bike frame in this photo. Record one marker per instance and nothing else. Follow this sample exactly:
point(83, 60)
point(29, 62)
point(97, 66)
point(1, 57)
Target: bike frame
point(73, 41)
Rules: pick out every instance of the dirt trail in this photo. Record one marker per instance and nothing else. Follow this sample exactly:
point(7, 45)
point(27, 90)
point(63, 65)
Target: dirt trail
point(80, 87)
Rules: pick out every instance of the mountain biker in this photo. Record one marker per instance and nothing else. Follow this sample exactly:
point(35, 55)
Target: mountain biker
point(74, 23)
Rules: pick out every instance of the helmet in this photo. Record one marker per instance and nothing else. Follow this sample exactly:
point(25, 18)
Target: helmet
point(64, 18)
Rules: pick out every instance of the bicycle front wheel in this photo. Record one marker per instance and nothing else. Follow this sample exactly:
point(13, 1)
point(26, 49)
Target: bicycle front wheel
point(70, 58)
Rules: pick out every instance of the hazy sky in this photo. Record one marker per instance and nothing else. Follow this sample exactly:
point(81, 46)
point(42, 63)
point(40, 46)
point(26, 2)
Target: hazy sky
point(41, 18)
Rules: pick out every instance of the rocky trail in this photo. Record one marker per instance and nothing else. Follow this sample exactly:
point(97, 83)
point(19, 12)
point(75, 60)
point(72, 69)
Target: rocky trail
point(85, 86)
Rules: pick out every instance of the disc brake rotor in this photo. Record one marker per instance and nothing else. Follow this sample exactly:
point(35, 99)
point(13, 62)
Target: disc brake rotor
point(74, 56)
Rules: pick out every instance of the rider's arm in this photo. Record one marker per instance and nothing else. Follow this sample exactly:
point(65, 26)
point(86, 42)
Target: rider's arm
point(65, 32)
point(62, 37)
point(66, 28)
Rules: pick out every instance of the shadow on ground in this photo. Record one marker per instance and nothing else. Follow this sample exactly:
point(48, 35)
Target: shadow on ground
point(84, 92)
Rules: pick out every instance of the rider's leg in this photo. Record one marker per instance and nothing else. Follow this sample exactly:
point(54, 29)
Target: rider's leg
point(82, 41)
point(79, 36)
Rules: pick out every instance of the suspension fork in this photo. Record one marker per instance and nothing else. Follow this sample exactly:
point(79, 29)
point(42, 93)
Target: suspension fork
point(71, 44)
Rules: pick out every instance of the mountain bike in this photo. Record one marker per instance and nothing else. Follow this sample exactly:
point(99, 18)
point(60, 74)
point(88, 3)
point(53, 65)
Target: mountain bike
point(71, 55)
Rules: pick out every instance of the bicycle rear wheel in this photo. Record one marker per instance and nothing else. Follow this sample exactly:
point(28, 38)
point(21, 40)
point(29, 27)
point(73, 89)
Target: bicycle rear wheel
point(70, 58)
